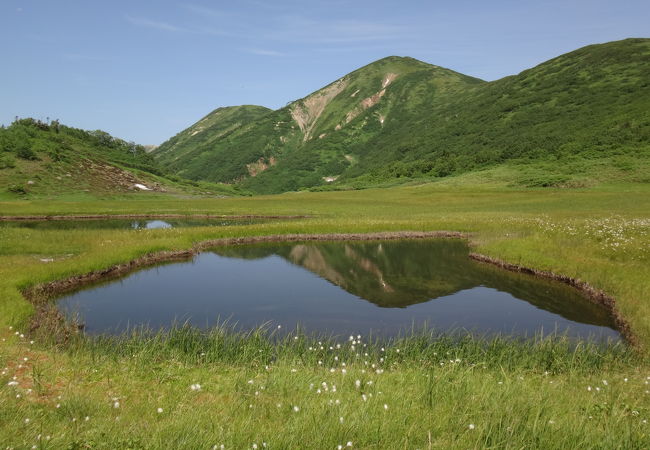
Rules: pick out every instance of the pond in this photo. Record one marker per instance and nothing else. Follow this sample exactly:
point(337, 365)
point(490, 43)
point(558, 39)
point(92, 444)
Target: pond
point(133, 223)
point(379, 288)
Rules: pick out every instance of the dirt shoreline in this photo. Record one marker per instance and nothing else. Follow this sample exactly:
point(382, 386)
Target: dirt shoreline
point(594, 295)
point(49, 318)
point(147, 216)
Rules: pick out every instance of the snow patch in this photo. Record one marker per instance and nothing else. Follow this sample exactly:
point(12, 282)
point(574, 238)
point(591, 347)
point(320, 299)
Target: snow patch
point(142, 187)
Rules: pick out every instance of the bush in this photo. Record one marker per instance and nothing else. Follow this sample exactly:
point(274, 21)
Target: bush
point(17, 189)
point(25, 152)
point(7, 162)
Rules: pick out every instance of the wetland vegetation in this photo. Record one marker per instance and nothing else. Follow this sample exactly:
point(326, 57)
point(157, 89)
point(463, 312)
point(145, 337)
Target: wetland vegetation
point(193, 389)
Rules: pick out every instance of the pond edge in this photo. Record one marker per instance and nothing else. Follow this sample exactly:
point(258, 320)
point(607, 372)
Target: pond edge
point(147, 216)
point(49, 319)
point(593, 294)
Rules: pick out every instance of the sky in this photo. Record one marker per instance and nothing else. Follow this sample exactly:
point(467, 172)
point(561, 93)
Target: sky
point(144, 70)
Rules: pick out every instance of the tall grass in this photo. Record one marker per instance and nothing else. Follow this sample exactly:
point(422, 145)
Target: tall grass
point(224, 344)
point(185, 388)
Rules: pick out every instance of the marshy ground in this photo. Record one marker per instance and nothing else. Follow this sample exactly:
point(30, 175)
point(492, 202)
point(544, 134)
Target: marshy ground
point(187, 389)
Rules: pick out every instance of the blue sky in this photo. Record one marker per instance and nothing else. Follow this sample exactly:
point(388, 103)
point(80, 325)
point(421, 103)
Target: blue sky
point(144, 70)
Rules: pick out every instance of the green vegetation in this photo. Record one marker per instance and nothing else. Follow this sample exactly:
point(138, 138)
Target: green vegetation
point(438, 393)
point(186, 152)
point(579, 119)
point(48, 159)
point(454, 153)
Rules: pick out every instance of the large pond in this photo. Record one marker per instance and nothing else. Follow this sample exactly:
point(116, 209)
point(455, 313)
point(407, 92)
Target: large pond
point(380, 288)
point(132, 224)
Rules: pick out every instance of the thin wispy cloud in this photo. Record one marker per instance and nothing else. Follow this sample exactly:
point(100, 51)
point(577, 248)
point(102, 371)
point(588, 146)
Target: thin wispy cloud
point(205, 11)
point(293, 28)
point(148, 23)
point(82, 57)
point(262, 52)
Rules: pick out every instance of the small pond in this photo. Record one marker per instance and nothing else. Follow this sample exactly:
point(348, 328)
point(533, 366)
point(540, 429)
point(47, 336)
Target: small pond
point(132, 224)
point(380, 288)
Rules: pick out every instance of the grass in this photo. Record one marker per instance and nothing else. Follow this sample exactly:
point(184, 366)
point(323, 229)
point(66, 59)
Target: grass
point(438, 393)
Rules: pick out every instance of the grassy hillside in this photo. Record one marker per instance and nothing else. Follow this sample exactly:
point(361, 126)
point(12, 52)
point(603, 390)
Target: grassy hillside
point(186, 151)
point(578, 119)
point(307, 141)
point(49, 159)
point(589, 104)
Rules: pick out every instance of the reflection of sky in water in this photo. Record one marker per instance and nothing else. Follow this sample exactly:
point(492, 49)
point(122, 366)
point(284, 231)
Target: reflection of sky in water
point(339, 288)
point(152, 224)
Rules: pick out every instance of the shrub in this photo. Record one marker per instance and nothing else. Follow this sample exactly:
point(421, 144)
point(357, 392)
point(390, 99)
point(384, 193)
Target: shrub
point(17, 189)
point(7, 162)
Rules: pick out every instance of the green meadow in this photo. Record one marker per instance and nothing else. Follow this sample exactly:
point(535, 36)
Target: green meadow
point(221, 389)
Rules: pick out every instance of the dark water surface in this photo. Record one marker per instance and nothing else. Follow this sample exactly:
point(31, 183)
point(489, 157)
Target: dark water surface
point(135, 224)
point(382, 288)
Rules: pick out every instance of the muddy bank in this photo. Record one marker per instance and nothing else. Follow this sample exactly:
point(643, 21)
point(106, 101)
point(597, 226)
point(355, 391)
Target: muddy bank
point(595, 295)
point(146, 216)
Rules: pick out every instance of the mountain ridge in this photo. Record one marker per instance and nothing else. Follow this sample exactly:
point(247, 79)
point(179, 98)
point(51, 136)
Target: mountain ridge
point(399, 117)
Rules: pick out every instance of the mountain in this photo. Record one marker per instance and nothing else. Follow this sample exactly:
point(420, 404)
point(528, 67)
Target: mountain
point(44, 159)
point(399, 118)
point(305, 142)
point(588, 104)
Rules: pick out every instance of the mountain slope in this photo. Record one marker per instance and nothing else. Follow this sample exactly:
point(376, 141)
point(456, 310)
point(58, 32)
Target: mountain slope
point(305, 142)
point(590, 103)
point(48, 159)
point(179, 152)
point(399, 118)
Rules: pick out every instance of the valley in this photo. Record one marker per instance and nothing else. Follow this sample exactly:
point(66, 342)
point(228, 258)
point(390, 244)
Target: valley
point(408, 257)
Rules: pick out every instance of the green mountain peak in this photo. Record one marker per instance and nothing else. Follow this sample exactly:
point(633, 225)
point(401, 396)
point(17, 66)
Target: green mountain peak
point(402, 118)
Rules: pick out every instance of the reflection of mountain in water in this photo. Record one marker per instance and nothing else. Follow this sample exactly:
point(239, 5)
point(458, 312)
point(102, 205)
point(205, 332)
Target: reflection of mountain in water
point(396, 274)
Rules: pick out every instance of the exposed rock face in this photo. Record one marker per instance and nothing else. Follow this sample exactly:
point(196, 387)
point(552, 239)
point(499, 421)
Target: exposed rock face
point(371, 101)
point(388, 79)
point(260, 166)
point(307, 111)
